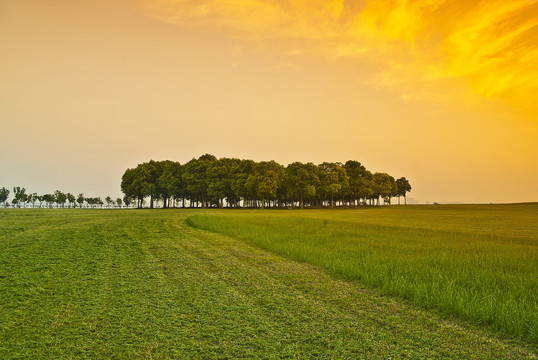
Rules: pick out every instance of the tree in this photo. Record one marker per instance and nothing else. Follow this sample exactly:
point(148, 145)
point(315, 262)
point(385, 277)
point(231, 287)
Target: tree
point(130, 185)
point(333, 180)
point(170, 180)
point(32, 198)
point(360, 181)
point(141, 182)
point(19, 196)
point(303, 179)
point(195, 178)
point(49, 199)
point(4, 194)
point(230, 195)
point(393, 191)
point(119, 202)
point(109, 201)
point(94, 201)
point(267, 176)
point(150, 173)
point(240, 184)
point(71, 200)
point(220, 180)
point(127, 200)
point(80, 200)
point(217, 181)
point(403, 188)
point(382, 186)
point(91, 201)
point(60, 198)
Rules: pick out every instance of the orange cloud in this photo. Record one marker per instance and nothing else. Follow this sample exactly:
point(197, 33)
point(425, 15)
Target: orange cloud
point(418, 46)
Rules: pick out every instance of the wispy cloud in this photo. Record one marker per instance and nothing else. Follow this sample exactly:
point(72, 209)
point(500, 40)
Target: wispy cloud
point(417, 46)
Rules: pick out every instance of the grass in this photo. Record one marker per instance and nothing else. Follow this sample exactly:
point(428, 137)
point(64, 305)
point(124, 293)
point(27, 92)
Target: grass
point(102, 284)
point(477, 262)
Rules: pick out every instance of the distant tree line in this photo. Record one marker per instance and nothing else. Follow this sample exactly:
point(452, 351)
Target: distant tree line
point(211, 182)
point(58, 199)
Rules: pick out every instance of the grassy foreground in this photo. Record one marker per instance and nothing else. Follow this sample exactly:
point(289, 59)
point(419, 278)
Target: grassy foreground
point(478, 262)
point(143, 284)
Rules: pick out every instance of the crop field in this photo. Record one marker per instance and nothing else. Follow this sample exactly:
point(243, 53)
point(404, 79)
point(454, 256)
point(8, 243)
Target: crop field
point(101, 284)
point(477, 262)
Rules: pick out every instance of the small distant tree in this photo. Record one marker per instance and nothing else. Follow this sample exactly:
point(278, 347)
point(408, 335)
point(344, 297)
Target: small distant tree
point(94, 201)
point(119, 202)
point(71, 199)
point(80, 200)
point(60, 198)
point(127, 200)
point(40, 199)
point(33, 198)
point(20, 196)
point(49, 199)
point(4, 194)
point(109, 201)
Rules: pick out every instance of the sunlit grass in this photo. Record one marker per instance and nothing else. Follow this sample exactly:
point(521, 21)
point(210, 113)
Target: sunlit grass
point(477, 262)
point(91, 284)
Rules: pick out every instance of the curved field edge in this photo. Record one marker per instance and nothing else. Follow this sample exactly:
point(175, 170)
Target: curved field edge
point(479, 276)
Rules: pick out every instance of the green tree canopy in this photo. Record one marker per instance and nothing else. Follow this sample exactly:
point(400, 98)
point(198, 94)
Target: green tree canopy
point(360, 181)
point(20, 196)
point(4, 194)
point(195, 178)
point(208, 181)
point(333, 180)
point(267, 176)
point(382, 185)
point(403, 188)
point(302, 179)
point(60, 198)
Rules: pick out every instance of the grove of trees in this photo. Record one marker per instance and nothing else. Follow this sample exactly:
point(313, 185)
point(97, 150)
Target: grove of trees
point(230, 182)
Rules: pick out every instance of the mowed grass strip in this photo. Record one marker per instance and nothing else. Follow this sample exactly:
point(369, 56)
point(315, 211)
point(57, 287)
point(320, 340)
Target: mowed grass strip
point(477, 262)
point(143, 284)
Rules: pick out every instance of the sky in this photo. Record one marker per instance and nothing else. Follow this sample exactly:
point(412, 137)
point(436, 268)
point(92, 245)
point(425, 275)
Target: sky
point(444, 93)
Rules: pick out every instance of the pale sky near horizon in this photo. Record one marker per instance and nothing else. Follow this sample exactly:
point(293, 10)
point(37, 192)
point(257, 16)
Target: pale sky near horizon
point(441, 92)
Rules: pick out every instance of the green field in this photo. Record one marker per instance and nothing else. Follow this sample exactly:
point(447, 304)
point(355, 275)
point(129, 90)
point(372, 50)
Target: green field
point(104, 284)
point(478, 262)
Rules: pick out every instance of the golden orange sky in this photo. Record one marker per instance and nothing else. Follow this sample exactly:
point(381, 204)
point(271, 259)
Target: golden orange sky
point(417, 44)
point(442, 92)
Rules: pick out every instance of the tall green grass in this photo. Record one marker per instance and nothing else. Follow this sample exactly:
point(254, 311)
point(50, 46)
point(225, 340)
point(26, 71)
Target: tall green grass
point(477, 262)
